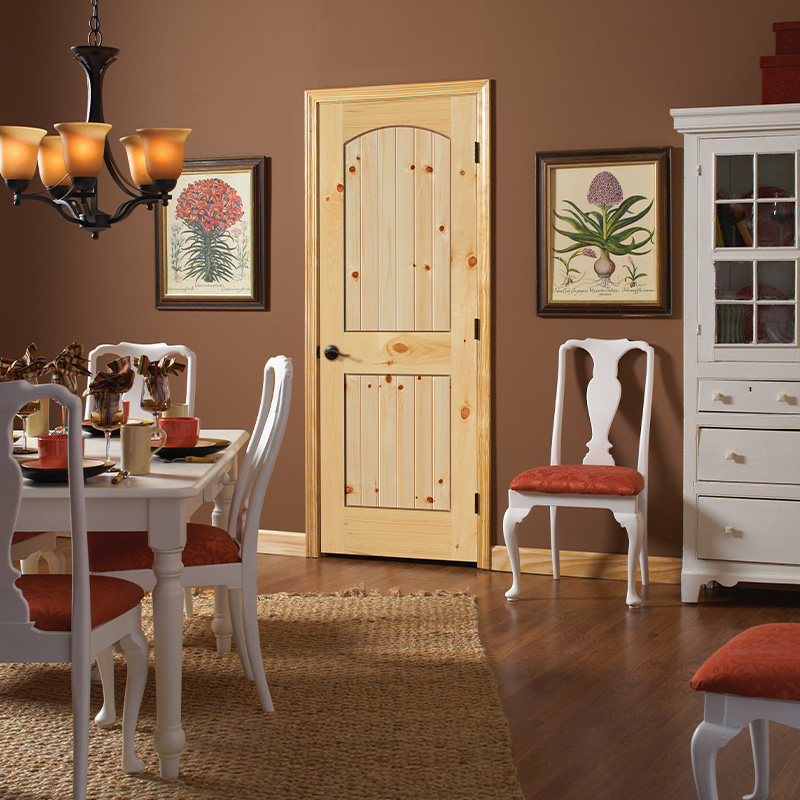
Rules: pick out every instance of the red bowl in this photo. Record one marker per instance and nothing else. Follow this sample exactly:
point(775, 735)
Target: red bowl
point(181, 431)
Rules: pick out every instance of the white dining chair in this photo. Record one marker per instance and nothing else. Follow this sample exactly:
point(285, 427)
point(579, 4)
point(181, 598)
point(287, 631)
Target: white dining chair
point(752, 679)
point(155, 352)
point(67, 618)
point(597, 482)
point(214, 556)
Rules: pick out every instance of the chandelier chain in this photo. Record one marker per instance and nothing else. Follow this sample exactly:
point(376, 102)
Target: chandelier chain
point(95, 37)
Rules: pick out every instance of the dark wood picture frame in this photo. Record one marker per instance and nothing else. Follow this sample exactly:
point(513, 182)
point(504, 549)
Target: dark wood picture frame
point(622, 245)
point(210, 239)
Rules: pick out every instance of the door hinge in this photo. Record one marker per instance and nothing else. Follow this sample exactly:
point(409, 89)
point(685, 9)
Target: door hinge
point(317, 351)
point(699, 170)
point(477, 328)
point(477, 152)
point(477, 503)
point(698, 330)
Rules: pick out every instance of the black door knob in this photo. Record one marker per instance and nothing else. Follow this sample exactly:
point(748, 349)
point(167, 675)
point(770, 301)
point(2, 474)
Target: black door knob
point(332, 352)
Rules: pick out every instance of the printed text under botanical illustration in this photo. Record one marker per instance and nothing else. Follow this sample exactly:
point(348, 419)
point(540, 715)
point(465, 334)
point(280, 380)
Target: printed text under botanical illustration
point(603, 240)
point(208, 240)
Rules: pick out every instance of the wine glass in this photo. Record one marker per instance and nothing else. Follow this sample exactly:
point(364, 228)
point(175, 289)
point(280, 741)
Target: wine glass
point(25, 412)
point(106, 414)
point(155, 395)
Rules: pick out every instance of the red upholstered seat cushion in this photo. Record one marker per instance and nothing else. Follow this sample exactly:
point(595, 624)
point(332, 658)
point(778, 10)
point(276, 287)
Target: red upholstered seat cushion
point(49, 599)
point(22, 536)
point(580, 479)
point(113, 551)
point(763, 661)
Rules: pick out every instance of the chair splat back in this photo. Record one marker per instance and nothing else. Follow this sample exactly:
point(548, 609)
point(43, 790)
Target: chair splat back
point(261, 454)
point(603, 395)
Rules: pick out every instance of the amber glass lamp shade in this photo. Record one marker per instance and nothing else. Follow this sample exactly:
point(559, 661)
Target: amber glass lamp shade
point(84, 144)
point(135, 150)
point(52, 169)
point(19, 147)
point(163, 151)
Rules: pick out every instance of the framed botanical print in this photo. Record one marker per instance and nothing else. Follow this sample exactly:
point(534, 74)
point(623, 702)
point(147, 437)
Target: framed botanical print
point(604, 233)
point(210, 249)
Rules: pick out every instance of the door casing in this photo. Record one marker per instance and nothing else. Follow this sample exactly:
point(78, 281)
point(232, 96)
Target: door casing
point(400, 94)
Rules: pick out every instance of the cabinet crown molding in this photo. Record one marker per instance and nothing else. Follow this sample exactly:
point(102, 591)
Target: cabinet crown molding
point(736, 118)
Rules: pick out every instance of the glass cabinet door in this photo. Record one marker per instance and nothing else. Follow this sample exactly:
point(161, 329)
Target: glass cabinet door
point(748, 248)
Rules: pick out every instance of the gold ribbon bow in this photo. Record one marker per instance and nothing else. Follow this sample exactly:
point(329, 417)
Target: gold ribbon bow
point(118, 378)
point(5, 363)
point(166, 366)
point(23, 369)
point(68, 365)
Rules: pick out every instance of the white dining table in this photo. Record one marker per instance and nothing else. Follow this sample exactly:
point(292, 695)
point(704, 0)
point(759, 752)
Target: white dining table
point(161, 503)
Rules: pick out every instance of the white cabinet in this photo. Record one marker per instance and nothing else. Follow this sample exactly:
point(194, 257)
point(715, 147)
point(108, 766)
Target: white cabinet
point(741, 481)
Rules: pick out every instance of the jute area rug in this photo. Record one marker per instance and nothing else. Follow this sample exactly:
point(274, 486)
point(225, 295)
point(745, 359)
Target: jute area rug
point(375, 697)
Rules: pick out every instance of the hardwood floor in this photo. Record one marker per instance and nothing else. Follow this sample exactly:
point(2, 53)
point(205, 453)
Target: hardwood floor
point(597, 696)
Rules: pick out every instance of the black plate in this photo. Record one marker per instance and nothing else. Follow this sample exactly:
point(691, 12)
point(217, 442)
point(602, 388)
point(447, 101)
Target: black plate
point(17, 447)
point(204, 447)
point(92, 431)
point(36, 472)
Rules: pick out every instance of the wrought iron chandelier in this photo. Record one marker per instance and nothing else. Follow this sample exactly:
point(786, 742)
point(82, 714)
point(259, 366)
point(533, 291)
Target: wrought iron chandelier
point(70, 163)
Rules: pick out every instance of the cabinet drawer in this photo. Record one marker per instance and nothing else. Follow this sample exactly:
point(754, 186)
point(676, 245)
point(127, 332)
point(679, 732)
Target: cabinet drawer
point(753, 456)
point(746, 529)
point(772, 397)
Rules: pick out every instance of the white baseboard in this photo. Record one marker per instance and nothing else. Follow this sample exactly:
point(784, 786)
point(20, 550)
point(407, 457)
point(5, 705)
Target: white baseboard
point(576, 564)
point(282, 543)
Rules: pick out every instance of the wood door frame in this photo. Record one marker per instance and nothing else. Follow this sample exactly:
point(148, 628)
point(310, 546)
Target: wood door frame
point(313, 99)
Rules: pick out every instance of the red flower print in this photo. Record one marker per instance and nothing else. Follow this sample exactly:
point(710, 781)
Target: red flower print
point(210, 203)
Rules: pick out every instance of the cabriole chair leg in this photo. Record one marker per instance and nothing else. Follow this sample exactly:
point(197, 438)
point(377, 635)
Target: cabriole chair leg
point(510, 522)
point(107, 715)
point(707, 739)
point(134, 647)
point(633, 524)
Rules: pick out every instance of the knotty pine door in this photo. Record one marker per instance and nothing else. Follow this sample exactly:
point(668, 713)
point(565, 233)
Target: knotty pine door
point(398, 296)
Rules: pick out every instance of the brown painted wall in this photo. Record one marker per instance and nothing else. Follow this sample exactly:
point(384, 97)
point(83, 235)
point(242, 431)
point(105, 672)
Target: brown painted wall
point(582, 75)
